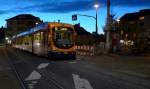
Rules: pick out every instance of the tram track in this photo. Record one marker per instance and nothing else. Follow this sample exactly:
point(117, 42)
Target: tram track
point(51, 82)
point(9, 57)
point(60, 74)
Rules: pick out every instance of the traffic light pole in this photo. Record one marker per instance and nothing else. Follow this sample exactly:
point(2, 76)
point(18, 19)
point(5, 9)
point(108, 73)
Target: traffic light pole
point(93, 18)
point(87, 16)
point(96, 27)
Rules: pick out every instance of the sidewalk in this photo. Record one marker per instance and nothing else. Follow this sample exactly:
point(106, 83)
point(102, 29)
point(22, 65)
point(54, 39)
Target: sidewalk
point(138, 64)
point(8, 79)
point(130, 69)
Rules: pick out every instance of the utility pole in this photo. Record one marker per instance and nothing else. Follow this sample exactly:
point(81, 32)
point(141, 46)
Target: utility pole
point(108, 28)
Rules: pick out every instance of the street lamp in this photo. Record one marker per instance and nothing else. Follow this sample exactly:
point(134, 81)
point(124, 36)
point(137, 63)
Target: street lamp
point(96, 7)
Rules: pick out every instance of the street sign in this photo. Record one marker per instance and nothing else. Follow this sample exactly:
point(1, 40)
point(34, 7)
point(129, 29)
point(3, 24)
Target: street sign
point(74, 17)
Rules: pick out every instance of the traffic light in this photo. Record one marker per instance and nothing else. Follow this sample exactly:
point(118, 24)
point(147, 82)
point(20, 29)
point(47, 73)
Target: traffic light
point(74, 17)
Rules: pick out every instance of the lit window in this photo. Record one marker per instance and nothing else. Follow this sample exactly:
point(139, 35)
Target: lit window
point(141, 18)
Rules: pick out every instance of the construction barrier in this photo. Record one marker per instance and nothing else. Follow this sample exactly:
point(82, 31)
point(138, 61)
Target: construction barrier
point(90, 50)
point(85, 50)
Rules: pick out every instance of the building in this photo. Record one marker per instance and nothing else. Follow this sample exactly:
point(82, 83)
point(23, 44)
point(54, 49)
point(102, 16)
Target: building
point(134, 30)
point(83, 37)
point(21, 23)
point(86, 38)
point(2, 35)
point(88, 43)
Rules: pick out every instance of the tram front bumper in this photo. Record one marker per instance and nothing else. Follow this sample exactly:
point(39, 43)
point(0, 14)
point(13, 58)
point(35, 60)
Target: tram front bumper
point(62, 55)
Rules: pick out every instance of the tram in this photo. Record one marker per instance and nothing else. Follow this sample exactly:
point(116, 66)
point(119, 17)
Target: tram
point(51, 39)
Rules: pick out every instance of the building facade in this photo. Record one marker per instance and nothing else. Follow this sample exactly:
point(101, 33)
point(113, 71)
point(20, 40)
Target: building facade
point(2, 35)
point(134, 30)
point(86, 38)
point(21, 23)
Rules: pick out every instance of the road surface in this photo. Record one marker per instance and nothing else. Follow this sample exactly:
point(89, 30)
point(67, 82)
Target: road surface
point(43, 73)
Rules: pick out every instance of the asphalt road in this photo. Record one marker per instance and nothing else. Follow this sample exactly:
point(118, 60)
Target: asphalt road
point(43, 73)
point(8, 79)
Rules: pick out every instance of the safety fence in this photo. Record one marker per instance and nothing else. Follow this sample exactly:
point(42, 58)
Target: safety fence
point(85, 50)
point(90, 50)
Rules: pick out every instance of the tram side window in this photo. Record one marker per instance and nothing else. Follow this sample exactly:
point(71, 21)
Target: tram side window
point(41, 36)
point(37, 36)
point(24, 40)
point(28, 40)
point(34, 36)
point(20, 41)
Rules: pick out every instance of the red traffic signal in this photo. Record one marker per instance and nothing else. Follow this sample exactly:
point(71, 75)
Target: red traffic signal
point(74, 17)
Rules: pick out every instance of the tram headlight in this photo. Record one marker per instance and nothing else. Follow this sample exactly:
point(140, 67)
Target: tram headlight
point(38, 44)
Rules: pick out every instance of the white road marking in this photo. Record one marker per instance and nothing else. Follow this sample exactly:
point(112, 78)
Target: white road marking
point(81, 83)
point(34, 82)
point(78, 59)
point(72, 62)
point(33, 76)
point(31, 86)
point(43, 65)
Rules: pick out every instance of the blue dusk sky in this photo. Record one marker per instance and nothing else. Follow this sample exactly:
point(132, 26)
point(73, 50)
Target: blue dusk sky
point(53, 10)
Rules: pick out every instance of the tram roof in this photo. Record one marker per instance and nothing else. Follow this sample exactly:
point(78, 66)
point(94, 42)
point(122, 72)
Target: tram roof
point(34, 29)
point(38, 27)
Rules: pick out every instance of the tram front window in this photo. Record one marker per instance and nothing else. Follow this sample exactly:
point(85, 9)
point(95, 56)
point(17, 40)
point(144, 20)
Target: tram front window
point(63, 37)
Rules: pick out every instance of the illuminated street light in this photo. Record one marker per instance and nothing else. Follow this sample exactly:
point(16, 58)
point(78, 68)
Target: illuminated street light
point(96, 7)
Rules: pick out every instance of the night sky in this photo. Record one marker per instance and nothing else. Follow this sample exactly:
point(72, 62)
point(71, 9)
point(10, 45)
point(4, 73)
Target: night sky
point(53, 10)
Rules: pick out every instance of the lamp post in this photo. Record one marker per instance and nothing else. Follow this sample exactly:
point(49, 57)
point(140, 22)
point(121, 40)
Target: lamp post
point(96, 7)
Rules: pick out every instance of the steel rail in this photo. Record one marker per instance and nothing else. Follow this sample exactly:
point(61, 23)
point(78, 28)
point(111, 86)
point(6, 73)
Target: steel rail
point(15, 71)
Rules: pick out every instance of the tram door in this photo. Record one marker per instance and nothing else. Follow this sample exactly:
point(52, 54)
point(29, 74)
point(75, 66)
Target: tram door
point(44, 43)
